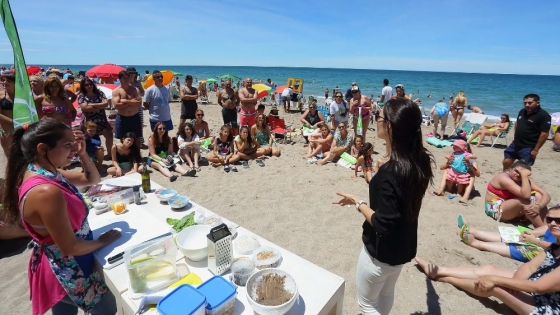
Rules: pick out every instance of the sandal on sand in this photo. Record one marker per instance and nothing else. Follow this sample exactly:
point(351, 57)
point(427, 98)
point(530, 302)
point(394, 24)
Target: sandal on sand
point(430, 134)
point(226, 168)
point(173, 178)
point(233, 169)
point(245, 164)
point(260, 163)
point(464, 234)
point(198, 169)
point(460, 221)
point(466, 203)
point(190, 172)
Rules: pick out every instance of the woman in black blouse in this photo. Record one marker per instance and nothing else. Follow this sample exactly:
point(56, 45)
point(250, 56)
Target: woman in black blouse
point(396, 193)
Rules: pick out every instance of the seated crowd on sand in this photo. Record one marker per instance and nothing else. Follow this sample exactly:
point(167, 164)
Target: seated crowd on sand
point(511, 195)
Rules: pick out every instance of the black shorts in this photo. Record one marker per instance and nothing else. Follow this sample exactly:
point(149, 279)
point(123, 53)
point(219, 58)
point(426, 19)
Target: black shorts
point(188, 110)
point(230, 116)
point(125, 124)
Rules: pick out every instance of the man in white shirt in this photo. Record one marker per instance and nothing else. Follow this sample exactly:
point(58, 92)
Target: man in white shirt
point(287, 97)
point(386, 92)
point(156, 100)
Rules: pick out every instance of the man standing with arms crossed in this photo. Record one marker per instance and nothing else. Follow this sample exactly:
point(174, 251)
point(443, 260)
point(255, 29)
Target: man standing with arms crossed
point(189, 95)
point(531, 131)
point(126, 101)
point(156, 100)
point(227, 98)
point(248, 99)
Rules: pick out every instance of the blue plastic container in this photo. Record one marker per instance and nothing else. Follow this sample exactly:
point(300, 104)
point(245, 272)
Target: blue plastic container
point(185, 300)
point(220, 296)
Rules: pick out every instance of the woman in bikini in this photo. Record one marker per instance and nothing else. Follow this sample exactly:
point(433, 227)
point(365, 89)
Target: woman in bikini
point(358, 102)
point(53, 102)
point(490, 130)
point(511, 195)
point(400, 92)
point(6, 112)
point(201, 127)
point(458, 107)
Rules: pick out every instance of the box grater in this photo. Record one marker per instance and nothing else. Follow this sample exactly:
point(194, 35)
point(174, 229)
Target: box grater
point(220, 250)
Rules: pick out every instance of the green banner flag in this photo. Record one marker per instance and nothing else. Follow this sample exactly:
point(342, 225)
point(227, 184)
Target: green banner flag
point(24, 106)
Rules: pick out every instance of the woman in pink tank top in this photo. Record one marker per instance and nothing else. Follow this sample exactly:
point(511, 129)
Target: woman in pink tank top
point(61, 275)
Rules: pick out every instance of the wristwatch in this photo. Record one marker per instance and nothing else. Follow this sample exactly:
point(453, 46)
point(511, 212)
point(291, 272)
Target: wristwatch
point(359, 203)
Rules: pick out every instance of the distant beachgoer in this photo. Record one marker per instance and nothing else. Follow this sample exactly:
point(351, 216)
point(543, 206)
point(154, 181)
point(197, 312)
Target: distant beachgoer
point(491, 130)
point(531, 131)
point(556, 140)
point(456, 168)
point(457, 108)
point(342, 143)
point(273, 86)
point(348, 94)
point(287, 98)
point(126, 101)
point(531, 289)
point(326, 93)
point(319, 144)
point(54, 103)
point(395, 193)
point(125, 156)
point(400, 92)
point(248, 98)
point(357, 102)
point(189, 95)
point(36, 85)
point(440, 113)
point(539, 239)
point(43, 196)
point(511, 195)
point(93, 104)
point(274, 112)
point(156, 101)
point(338, 110)
point(227, 98)
point(146, 76)
point(475, 109)
point(7, 112)
point(386, 92)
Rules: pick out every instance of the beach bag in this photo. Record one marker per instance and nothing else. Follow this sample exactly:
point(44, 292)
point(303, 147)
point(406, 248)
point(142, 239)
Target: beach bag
point(359, 126)
point(346, 160)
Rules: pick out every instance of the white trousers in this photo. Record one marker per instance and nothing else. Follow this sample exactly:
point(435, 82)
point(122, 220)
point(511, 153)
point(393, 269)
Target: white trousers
point(375, 284)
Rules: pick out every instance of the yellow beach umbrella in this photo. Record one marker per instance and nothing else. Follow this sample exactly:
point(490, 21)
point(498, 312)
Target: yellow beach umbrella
point(168, 76)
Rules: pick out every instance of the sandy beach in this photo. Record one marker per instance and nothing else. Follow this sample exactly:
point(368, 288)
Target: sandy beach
point(289, 203)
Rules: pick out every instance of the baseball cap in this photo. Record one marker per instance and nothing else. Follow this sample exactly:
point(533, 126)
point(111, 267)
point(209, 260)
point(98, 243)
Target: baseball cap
point(274, 107)
point(355, 88)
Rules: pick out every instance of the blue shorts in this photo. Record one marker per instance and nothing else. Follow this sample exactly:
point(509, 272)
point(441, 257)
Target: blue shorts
point(126, 124)
point(523, 253)
point(168, 125)
point(517, 153)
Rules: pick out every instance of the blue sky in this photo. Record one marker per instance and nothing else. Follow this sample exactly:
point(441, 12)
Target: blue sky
point(453, 35)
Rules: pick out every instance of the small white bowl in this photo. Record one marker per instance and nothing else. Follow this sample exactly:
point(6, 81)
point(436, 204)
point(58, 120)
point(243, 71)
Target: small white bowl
point(178, 201)
point(164, 195)
point(193, 243)
point(100, 205)
point(289, 285)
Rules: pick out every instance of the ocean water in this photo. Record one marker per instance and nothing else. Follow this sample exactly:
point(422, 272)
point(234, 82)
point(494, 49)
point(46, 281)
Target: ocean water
point(494, 93)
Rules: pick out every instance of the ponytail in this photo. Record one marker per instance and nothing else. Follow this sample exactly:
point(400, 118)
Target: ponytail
point(23, 151)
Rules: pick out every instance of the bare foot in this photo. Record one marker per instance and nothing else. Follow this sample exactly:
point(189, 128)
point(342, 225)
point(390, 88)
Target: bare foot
point(431, 270)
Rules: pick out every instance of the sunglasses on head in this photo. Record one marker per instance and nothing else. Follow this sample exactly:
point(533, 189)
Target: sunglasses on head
point(551, 219)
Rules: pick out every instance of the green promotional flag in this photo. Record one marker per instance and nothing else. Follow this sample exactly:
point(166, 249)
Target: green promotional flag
point(24, 106)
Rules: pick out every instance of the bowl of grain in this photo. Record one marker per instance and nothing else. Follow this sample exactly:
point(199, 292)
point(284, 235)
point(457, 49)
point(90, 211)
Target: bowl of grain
point(266, 257)
point(271, 291)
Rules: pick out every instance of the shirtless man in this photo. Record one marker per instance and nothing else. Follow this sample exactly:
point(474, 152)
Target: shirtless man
point(227, 98)
point(475, 109)
point(248, 99)
point(126, 101)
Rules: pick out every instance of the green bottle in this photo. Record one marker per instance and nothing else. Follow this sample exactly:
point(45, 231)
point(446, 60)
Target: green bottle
point(146, 186)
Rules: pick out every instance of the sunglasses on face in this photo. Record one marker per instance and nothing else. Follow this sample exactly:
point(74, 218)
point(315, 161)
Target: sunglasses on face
point(161, 129)
point(338, 96)
point(158, 77)
point(341, 127)
point(88, 85)
point(551, 219)
point(199, 115)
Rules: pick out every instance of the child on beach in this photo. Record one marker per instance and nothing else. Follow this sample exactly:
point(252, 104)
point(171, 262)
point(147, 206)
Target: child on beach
point(223, 153)
point(248, 148)
point(93, 144)
point(125, 156)
point(365, 162)
point(357, 146)
point(319, 144)
point(457, 168)
point(189, 145)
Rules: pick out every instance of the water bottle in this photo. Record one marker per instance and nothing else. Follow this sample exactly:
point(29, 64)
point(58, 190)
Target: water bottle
point(136, 193)
point(146, 185)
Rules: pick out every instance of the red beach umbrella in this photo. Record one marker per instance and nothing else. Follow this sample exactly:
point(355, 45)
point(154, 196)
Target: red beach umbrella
point(280, 89)
point(107, 70)
point(33, 70)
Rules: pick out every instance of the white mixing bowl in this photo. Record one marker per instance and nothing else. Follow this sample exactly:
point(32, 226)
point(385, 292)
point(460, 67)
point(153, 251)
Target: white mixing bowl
point(289, 285)
point(192, 242)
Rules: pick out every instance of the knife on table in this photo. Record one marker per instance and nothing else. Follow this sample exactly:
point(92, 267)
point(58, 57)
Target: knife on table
point(113, 259)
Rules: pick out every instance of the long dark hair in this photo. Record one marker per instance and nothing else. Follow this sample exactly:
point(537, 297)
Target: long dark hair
point(249, 138)
point(165, 138)
point(23, 151)
point(410, 162)
point(135, 156)
point(364, 150)
point(83, 86)
point(181, 132)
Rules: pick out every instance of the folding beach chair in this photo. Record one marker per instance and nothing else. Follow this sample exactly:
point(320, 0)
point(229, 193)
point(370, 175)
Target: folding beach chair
point(502, 134)
point(204, 100)
point(325, 111)
point(278, 127)
point(472, 123)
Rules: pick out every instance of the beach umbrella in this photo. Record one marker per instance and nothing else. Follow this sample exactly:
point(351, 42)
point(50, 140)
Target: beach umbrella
point(262, 89)
point(280, 89)
point(33, 70)
point(211, 80)
point(168, 76)
point(107, 70)
point(228, 76)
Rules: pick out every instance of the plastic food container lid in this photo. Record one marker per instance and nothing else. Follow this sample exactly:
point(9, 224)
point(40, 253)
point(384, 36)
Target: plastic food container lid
point(245, 244)
point(217, 291)
point(183, 300)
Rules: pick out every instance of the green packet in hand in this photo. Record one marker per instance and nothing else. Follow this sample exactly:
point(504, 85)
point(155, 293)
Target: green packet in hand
point(348, 158)
point(204, 143)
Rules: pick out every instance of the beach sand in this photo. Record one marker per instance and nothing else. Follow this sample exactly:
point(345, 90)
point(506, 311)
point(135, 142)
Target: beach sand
point(289, 203)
